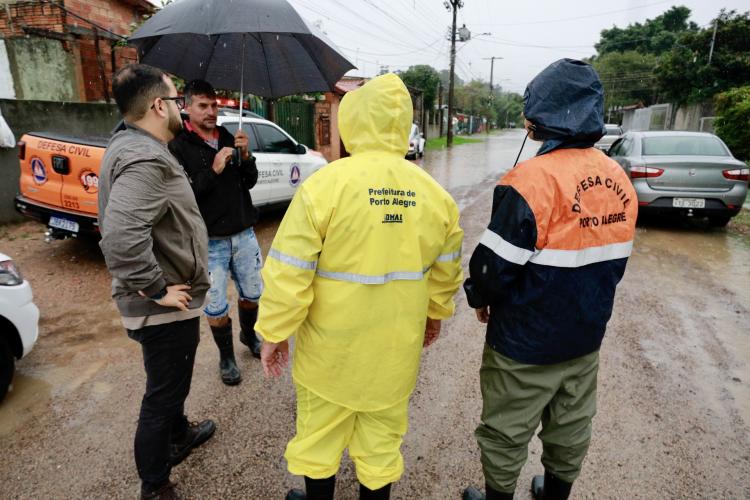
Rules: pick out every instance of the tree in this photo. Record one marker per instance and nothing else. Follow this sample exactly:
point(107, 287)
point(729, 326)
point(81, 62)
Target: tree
point(655, 36)
point(425, 78)
point(628, 78)
point(473, 98)
point(733, 117)
point(684, 73)
point(508, 108)
point(445, 76)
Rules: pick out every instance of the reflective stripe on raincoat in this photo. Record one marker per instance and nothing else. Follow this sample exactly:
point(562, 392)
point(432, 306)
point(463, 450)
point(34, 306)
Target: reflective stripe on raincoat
point(368, 249)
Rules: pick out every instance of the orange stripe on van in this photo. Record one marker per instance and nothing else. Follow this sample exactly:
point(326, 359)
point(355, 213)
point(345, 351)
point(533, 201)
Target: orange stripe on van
point(580, 198)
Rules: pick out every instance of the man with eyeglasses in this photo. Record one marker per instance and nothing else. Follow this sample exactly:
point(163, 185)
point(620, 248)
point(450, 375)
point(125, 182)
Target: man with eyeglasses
point(222, 189)
point(155, 246)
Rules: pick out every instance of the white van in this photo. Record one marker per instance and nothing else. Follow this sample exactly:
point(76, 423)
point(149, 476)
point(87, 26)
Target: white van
point(283, 163)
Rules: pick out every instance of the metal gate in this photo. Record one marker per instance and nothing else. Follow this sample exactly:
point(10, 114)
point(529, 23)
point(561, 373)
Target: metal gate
point(297, 118)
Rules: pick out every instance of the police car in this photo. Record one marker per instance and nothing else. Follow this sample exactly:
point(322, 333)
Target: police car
point(283, 163)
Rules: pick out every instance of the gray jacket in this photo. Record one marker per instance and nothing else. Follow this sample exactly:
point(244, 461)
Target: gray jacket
point(152, 232)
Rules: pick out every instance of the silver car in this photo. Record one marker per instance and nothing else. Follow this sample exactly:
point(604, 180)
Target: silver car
point(687, 173)
point(612, 132)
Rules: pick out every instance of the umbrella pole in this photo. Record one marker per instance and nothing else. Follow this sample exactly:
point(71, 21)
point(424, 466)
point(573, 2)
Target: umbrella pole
point(242, 82)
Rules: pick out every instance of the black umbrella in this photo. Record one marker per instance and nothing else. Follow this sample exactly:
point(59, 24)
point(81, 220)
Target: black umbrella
point(260, 46)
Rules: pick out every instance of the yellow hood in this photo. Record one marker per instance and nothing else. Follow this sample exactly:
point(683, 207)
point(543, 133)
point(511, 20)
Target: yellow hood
point(377, 117)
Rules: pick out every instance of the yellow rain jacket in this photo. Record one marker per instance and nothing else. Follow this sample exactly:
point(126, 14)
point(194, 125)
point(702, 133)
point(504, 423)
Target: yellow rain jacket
point(368, 249)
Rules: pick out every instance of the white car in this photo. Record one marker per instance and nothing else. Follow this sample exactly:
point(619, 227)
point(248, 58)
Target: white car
point(416, 143)
point(283, 163)
point(19, 317)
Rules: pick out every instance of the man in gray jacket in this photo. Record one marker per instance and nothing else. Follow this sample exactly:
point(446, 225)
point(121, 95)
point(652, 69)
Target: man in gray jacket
point(155, 246)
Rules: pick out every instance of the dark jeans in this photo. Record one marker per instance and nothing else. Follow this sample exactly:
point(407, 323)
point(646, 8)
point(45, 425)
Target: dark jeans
point(168, 356)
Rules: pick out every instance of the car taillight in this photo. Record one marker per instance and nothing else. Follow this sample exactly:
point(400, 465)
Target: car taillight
point(21, 150)
point(739, 174)
point(640, 172)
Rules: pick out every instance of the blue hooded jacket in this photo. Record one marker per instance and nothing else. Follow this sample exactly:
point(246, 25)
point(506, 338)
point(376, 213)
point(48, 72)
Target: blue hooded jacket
point(565, 103)
point(561, 229)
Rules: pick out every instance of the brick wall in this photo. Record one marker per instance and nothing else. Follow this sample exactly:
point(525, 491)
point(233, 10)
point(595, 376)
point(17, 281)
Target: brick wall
point(31, 14)
point(110, 14)
point(114, 15)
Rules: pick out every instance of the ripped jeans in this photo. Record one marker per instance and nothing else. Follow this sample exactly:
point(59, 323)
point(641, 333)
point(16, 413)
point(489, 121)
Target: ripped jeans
point(239, 256)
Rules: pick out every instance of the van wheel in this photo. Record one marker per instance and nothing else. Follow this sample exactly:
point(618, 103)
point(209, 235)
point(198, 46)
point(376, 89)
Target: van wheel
point(718, 221)
point(7, 365)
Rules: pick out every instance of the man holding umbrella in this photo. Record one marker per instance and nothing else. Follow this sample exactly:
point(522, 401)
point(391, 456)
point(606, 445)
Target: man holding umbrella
point(222, 189)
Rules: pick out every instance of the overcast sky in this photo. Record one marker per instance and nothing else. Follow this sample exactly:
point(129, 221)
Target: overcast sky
point(528, 35)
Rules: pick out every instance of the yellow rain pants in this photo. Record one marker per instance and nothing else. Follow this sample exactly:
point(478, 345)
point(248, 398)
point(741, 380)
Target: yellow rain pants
point(325, 429)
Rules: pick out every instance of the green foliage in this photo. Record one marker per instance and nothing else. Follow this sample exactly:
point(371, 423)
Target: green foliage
point(733, 120)
point(508, 108)
point(628, 77)
point(474, 99)
point(684, 73)
point(655, 36)
point(445, 76)
point(423, 77)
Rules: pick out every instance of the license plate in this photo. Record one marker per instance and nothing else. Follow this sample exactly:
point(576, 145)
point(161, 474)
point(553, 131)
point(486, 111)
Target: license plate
point(688, 203)
point(60, 223)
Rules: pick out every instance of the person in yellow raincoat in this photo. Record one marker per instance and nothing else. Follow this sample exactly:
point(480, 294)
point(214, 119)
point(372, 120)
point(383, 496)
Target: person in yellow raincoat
point(361, 271)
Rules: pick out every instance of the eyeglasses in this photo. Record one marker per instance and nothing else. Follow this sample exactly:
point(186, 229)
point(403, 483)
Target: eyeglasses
point(179, 101)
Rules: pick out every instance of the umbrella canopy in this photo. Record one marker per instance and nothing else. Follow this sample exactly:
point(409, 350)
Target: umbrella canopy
point(260, 46)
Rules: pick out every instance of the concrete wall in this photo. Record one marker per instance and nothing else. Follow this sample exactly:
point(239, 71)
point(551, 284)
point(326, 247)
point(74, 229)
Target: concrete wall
point(42, 69)
point(62, 117)
point(689, 117)
point(7, 90)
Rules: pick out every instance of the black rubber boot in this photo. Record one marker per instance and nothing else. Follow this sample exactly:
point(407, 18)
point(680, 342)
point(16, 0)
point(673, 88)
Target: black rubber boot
point(247, 329)
point(550, 487)
point(472, 493)
point(366, 493)
point(317, 489)
point(230, 372)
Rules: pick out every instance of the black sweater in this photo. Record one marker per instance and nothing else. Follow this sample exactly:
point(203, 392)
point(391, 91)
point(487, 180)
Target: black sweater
point(223, 199)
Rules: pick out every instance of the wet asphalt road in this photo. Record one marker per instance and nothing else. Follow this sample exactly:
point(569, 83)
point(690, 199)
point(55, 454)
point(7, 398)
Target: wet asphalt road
point(674, 385)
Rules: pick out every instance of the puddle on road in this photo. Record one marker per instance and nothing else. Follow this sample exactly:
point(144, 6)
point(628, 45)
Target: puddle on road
point(673, 246)
point(702, 278)
point(29, 396)
point(475, 165)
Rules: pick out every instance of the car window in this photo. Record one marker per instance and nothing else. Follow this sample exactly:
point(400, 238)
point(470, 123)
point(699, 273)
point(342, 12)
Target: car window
point(274, 141)
point(621, 147)
point(614, 150)
point(233, 126)
point(683, 146)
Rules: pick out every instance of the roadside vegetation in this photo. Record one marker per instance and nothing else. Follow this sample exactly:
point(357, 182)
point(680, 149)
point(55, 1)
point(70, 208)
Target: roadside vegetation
point(440, 142)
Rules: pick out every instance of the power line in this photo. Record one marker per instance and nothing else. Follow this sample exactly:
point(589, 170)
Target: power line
point(576, 18)
point(400, 53)
point(350, 26)
point(408, 29)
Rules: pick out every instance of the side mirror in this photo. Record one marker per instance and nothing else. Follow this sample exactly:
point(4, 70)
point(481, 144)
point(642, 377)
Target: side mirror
point(300, 149)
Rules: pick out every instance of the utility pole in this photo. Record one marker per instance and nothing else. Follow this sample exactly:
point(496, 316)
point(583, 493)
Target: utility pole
point(713, 40)
point(452, 5)
point(492, 90)
point(492, 70)
point(440, 108)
